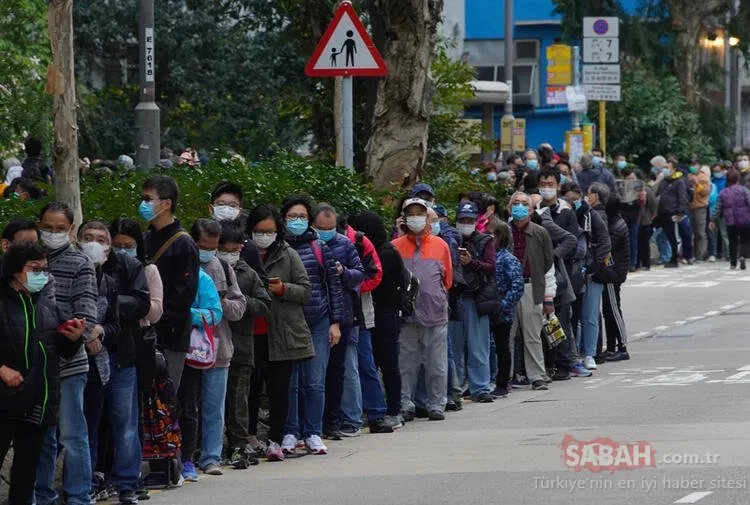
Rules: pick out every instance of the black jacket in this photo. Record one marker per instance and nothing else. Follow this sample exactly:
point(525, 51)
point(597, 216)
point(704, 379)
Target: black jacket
point(620, 238)
point(178, 268)
point(133, 300)
point(31, 345)
point(258, 305)
point(597, 238)
point(673, 195)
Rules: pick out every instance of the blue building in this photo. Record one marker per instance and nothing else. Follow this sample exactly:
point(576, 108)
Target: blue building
point(478, 27)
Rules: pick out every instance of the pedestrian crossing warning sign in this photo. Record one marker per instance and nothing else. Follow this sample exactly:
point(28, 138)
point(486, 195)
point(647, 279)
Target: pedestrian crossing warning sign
point(346, 49)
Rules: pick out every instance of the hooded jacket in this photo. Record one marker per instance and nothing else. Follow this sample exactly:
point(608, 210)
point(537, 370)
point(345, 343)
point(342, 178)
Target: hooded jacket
point(233, 305)
point(620, 239)
point(673, 195)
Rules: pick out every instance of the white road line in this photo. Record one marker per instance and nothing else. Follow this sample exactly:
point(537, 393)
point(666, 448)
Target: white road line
point(696, 318)
point(727, 307)
point(642, 334)
point(694, 497)
point(712, 313)
point(661, 328)
point(679, 323)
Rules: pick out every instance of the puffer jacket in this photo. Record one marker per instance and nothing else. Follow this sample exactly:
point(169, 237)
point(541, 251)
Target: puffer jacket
point(733, 206)
point(620, 238)
point(258, 305)
point(30, 344)
point(289, 336)
point(673, 195)
point(207, 305)
point(351, 279)
point(326, 292)
point(233, 305)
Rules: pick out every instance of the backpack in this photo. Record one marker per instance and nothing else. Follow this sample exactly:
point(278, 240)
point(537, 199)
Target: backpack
point(409, 290)
point(202, 353)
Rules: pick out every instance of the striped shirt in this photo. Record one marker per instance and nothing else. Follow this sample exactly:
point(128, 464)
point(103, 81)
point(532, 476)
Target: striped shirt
point(76, 294)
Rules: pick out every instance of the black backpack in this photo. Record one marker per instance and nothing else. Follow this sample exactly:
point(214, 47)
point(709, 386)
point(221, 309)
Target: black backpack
point(409, 291)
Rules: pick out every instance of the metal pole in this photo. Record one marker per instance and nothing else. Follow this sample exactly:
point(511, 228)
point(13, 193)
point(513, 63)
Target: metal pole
point(348, 98)
point(576, 83)
point(509, 55)
point(148, 132)
point(603, 126)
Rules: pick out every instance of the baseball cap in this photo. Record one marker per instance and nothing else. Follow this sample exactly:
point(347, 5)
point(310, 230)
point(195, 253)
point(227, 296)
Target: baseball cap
point(414, 201)
point(422, 188)
point(440, 210)
point(467, 210)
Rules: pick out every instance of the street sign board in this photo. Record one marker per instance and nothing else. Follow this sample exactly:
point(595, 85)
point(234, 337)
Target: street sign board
point(601, 27)
point(601, 74)
point(603, 92)
point(559, 65)
point(576, 99)
point(601, 50)
point(556, 95)
point(519, 135)
point(345, 49)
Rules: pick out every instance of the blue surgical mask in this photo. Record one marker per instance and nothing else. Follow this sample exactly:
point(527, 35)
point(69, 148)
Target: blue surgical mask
point(206, 256)
point(297, 226)
point(146, 210)
point(693, 170)
point(563, 179)
point(665, 171)
point(719, 175)
point(130, 251)
point(621, 165)
point(435, 229)
point(35, 281)
point(577, 204)
point(654, 170)
point(596, 160)
point(532, 164)
point(326, 235)
point(520, 212)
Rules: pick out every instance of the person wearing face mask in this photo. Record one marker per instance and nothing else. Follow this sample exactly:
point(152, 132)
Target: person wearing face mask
point(126, 277)
point(718, 233)
point(621, 162)
point(31, 346)
point(424, 337)
point(283, 338)
point(171, 249)
point(734, 207)
point(242, 452)
point(594, 172)
point(325, 314)
point(478, 300)
point(531, 160)
point(213, 381)
point(672, 192)
point(76, 295)
point(698, 205)
point(742, 164)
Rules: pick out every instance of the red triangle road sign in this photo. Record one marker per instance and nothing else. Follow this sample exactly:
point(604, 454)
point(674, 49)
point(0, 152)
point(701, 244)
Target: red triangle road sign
point(346, 49)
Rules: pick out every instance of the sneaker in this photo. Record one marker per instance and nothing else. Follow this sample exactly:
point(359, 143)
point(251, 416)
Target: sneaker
point(589, 363)
point(212, 469)
point(579, 370)
point(691, 261)
point(258, 446)
point(733, 267)
point(380, 426)
point(546, 377)
point(332, 432)
point(315, 445)
point(188, 471)
point(436, 415)
point(500, 392)
point(407, 416)
point(712, 259)
point(289, 444)
point(142, 494)
point(600, 358)
point(561, 375)
point(483, 398)
point(520, 381)
point(395, 422)
point(452, 406)
point(242, 458)
point(421, 413)
point(743, 265)
point(632, 270)
point(274, 452)
point(619, 356)
point(128, 498)
point(539, 385)
point(350, 431)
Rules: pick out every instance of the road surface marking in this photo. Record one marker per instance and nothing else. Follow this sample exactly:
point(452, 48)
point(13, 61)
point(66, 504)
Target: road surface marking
point(661, 328)
point(694, 497)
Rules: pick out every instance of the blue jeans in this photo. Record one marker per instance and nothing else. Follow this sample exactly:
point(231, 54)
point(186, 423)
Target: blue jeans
point(590, 311)
point(634, 229)
point(213, 396)
point(373, 398)
point(457, 340)
point(74, 438)
point(476, 331)
point(122, 393)
point(351, 399)
point(686, 236)
point(662, 243)
point(309, 384)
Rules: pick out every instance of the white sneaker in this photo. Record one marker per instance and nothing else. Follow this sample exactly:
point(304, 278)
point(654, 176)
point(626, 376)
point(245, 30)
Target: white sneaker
point(289, 444)
point(589, 363)
point(712, 259)
point(315, 445)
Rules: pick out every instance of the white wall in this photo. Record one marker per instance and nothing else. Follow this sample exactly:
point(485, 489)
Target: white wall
point(454, 26)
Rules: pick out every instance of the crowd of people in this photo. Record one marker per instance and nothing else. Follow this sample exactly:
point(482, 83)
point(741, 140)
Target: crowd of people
point(279, 329)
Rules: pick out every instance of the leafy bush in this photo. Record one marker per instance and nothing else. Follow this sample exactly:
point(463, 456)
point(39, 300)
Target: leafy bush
point(268, 181)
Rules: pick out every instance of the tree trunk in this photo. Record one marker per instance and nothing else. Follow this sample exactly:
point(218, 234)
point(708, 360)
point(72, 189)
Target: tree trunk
point(397, 147)
point(65, 149)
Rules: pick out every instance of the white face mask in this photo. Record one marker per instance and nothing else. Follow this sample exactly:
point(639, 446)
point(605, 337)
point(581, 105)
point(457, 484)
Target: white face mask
point(225, 213)
point(230, 257)
point(744, 164)
point(264, 241)
point(416, 223)
point(95, 251)
point(466, 229)
point(55, 240)
point(548, 193)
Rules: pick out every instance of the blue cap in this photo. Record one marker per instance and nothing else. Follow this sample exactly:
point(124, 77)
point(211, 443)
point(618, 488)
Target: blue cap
point(422, 188)
point(440, 210)
point(467, 210)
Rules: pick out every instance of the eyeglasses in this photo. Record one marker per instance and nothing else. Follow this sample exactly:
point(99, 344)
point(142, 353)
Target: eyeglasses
point(296, 216)
point(264, 233)
point(37, 270)
point(147, 199)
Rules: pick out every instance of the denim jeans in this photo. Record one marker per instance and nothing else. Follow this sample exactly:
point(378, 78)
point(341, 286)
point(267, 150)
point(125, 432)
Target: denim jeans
point(351, 398)
point(662, 243)
point(309, 384)
point(590, 312)
point(457, 339)
point(634, 229)
point(73, 436)
point(373, 399)
point(476, 331)
point(122, 395)
point(213, 396)
point(686, 236)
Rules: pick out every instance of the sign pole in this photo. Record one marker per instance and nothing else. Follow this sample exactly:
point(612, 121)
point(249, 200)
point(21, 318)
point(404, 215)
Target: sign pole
point(603, 126)
point(576, 83)
point(348, 99)
point(148, 132)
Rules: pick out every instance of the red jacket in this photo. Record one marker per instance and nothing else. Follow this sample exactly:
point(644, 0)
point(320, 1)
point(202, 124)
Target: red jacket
point(370, 259)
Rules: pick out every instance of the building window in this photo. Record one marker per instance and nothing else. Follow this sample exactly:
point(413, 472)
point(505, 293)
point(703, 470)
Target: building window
point(488, 59)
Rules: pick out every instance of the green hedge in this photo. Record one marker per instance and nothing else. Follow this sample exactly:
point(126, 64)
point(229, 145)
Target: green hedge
point(270, 181)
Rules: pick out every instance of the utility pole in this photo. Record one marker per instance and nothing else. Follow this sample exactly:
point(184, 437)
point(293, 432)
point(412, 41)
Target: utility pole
point(507, 121)
point(148, 129)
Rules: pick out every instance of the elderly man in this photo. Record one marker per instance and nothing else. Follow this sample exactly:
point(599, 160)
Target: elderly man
point(533, 248)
